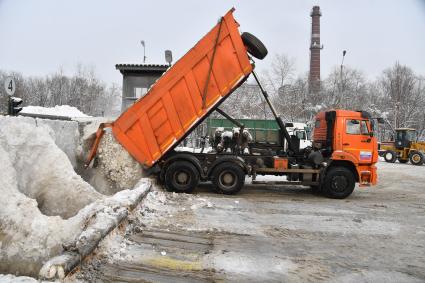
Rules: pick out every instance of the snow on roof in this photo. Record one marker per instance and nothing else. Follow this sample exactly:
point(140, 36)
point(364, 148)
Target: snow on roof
point(58, 110)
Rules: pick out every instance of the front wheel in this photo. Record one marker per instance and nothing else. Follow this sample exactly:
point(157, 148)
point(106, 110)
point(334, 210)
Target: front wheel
point(416, 158)
point(339, 183)
point(228, 178)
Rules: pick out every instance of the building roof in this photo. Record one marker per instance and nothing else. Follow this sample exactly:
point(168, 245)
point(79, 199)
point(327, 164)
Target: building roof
point(141, 68)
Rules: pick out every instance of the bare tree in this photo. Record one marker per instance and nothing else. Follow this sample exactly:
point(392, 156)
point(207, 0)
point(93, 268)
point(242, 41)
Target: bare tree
point(403, 95)
point(281, 71)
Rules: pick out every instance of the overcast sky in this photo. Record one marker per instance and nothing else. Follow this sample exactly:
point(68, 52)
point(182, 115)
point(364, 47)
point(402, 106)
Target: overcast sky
point(37, 37)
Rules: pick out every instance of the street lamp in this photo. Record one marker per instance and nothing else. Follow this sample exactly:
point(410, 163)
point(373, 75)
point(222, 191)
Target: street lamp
point(144, 50)
point(342, 64)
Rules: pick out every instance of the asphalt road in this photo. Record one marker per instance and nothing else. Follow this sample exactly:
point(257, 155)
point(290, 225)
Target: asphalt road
point(272, 235)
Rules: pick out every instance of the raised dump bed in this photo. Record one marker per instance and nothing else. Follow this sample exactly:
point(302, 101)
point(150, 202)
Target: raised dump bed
point(185, 94)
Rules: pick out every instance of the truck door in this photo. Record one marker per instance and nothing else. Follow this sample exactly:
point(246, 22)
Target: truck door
point(357, 140)
point(302, 135)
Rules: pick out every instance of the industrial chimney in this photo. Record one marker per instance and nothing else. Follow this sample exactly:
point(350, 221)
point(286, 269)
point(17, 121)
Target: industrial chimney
point(315, 47)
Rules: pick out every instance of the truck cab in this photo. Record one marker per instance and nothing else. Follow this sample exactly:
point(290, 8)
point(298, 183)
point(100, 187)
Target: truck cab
point(346, 140)
point(300, 130)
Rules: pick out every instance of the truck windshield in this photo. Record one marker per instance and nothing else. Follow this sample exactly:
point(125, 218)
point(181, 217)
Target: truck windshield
point(356, 127)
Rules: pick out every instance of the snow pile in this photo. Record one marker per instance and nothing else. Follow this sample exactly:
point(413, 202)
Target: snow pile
point(116, 164)
point(42, 171)
point(44, 204)
point(58, 110)
point(107, 215)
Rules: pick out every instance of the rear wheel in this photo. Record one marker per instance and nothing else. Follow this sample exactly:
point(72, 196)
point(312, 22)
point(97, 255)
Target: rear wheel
point(339, 183)
point(390, 156)
point(228, 178)
point(255, 47)
point(181, 177)
point(416, 158)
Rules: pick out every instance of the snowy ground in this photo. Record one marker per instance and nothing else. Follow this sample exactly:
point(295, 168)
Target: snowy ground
point(273, 235)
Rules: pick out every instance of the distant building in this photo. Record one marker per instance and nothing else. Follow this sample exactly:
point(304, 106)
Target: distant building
point(137, 79)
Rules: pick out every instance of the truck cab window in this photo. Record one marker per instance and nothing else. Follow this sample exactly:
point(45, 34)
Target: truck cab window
point(300, 135)
point(356, 127)
point(363, 128)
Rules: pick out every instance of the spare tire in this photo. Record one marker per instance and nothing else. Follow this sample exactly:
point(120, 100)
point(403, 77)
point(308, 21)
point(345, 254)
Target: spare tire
point(255, 47)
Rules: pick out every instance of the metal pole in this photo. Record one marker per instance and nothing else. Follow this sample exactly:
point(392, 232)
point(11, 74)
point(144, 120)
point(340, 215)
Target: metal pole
point(278, 119)
point(340, 74)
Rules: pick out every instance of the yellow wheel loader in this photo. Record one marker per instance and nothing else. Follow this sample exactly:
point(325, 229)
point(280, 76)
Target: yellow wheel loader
point(405, 147)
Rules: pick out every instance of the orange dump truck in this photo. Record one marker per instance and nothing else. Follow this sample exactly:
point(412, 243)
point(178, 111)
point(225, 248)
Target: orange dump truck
point(194, 87)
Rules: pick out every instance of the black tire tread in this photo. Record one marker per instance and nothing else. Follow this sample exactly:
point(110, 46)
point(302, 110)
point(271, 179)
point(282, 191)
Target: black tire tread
point(394, 156)
point(421, 158)
point(327, 189)
point(228, 166)
point(255, 47)
point(173, 167)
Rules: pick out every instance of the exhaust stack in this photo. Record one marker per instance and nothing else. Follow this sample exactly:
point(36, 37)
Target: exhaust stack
point(315, 47)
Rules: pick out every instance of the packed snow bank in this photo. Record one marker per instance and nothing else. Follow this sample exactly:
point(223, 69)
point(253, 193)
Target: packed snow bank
point(109, 214)
point(38, 189)
point(58, 110)
point(43, 171)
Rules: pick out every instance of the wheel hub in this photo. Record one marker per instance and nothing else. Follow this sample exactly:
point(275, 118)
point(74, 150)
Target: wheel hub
point(182, 178)
point(416, 157)
point(227, 179)
point(339, 183)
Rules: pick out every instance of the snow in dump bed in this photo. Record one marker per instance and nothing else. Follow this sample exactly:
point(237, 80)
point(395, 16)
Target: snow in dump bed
point(117, 165)
point(58, 110)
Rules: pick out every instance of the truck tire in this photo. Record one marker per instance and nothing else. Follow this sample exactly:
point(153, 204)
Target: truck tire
point(390, 156)
point(403, 160)
point(255, 47)
point(416, 158)
point(228, 178)
point(339, 183)
point(181, 177)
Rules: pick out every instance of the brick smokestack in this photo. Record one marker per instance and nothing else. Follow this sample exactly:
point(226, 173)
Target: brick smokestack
point(315, 47)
